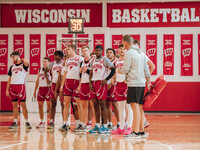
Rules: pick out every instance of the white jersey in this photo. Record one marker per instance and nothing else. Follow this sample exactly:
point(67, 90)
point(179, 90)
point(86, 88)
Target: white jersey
point(109, 71)
point(18, 74)
point(99, 70)
point(42, 78)
point(85, 75)
point(72, 67)
point(55, 70)
point(119, 64)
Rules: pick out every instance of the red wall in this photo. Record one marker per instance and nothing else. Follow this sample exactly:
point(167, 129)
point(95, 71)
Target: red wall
point(177, 96)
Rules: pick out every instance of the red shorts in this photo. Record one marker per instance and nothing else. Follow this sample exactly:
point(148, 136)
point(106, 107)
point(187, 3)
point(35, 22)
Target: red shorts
point(121, 91)
point(111, 94)
point(53, 86)
point(99, 92)
point(70, 88)
point(85, 91)
point(17, 92)
point(43, 94)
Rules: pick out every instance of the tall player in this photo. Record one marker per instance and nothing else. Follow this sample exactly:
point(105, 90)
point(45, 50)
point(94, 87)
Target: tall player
point(71, 80)
point(98, 86)
point(16, 87)
point(85, 98)
point(43, 82)
point(111, 99)
point(55, 67)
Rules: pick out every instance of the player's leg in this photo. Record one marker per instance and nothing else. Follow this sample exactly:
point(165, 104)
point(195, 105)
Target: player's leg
point(116, 111)
point(90, 113)
point(129, 119)
point(97, 116)
point(67, 103)
point(142, 120)
point(15, 114)
point(25, 113)
point(108, 106)
point(41, 114)
point(49, 109)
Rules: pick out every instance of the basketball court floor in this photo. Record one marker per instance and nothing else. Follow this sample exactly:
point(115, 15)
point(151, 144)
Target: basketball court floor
point(167, 131)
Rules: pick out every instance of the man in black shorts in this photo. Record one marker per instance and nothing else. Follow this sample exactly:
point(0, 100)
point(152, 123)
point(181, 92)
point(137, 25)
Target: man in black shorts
point(136, 69)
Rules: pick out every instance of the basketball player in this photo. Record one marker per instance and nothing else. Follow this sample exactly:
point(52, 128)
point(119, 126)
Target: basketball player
point(44, 91)
point(93, 55)
point(121, 96)
point(85, 88)
point(98, 86)
point(55, 67)
point(16, 87)
point(111, 99)
point(71, 79)
point(136, 69)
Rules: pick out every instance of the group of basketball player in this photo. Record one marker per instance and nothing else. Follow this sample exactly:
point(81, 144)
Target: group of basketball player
point(89, 83)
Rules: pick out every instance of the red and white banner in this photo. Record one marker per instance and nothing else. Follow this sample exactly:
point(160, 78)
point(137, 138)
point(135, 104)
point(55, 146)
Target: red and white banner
point(82, 42)
point(165, 14)
point(199, 51)
point(66, 42)
point(151, 50)
point(186, 54)
point(98, 40)
point(51, 45)
point(35, 48)
point(168, 54)
point(3, 53)
point(18, 44)
point(116, 40)
point(49, 15)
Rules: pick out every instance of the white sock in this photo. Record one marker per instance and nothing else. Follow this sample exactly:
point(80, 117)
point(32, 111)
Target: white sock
point(26, 120)
point(130, 115)
point(105, 125)
point(83, 124)
point(89, 122)
point(122, 114)
point(98, 125)
point(16, 121)
point(110, 123)
point(77, 123)
point(42, 120)
point(51, 120)
point(66, 122)
point(118, 123)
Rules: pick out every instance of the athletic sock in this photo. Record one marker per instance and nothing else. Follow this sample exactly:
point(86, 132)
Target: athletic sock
point(77, 123)
point(26, 120)
point(51, 120)
point(98, 125)
point(65, 122)
point(118, 123)
point(89, 122)
point(110, 123)
point(42, 120)
point(16, 121)
point(105, 125)
point(83, 124)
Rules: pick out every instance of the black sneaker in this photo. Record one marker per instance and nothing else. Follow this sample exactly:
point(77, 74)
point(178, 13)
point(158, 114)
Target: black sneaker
point(76, 129)
point(62, 128)
point(28, 126)
point(110, 127)
point(81, 129)
point(14, 125)
point(115, 128)
point(50, 125)
point(68, 126)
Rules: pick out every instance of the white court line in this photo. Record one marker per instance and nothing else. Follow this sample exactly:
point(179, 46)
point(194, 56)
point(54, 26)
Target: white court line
point(168, 146)
point(13, 145)
point(5, 134)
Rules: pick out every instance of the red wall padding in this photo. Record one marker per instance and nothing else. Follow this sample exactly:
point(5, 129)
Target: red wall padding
point(177, 96)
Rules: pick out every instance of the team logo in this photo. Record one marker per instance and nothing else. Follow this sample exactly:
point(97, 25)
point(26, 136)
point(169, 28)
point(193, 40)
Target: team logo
point(113, 96)
point(34, 51)
point(51, 51)
point(98, 94)
point(20, 95)
point(168, 52)
point(3, 51)
point(96, 69)
point(47, 96)
point(186, 52)
point(43, 78)
point(16, 72)
point(70, 67)
point(20, 50)
point(151, 52)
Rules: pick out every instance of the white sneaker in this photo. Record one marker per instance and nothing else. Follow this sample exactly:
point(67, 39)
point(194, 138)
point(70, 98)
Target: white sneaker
point(145, 135)
point(41, 125)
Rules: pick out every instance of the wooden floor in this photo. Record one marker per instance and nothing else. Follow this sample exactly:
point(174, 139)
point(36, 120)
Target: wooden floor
point(166, 132)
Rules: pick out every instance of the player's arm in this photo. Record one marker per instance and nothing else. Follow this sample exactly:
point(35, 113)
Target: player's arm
point(63, 80)
point(90, 80)
point(147, 74)
point(25, 61)
point(110, 65)
point(49, 67)
point(57, 84)
point(151, 66)
point(8, 86)
point(127, 65)
point(36, 85)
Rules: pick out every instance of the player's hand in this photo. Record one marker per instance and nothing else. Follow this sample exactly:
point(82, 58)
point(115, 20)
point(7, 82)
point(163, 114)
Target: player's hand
point(81, 69)
point(113, 81)
point(109, 86)
point(85, 69)
point(61, 89)
point(61, 94)
point(55, 95)
point(149, 85)
point(104, 82)
point(48, 82)
point(91, 87)
point(7, 93)
point(34, 95)
point(79, 89)
point(125, 81)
